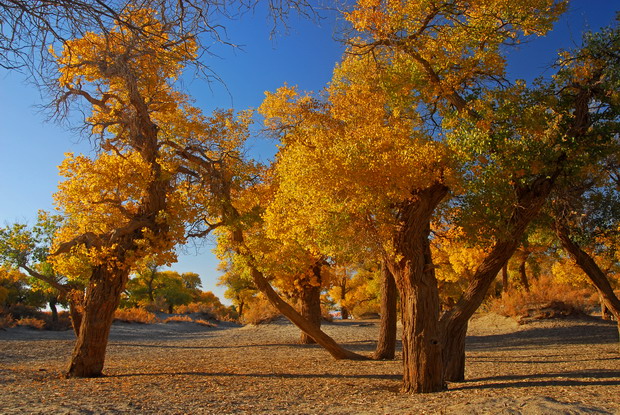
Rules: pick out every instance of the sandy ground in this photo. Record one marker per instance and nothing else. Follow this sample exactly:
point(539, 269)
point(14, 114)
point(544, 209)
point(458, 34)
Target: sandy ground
point(546, 367)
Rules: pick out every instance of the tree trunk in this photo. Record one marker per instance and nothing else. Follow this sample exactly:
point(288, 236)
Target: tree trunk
point(523, 276)
point(311, 305)
point(414, 274)
point(240, 309)
point(605, 312)
point(505, 277)
point(102, 298)
point(337, 351)
point(344, 312)
point(386, 346)
point(454, 322)
point(454, 353)
point(52, 303)
point(592, 270)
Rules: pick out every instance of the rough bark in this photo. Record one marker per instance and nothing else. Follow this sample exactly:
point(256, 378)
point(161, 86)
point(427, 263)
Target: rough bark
point(414, 274)
point(386, 346)
point(592, 270)
point(311, 305)
point(454, 322)
point(102, 299)
point(344, 313)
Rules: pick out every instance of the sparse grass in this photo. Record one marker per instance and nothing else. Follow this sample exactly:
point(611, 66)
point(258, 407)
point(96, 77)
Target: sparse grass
point(135, 315)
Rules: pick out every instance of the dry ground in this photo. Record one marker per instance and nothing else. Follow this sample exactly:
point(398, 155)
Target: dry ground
point(547, 367)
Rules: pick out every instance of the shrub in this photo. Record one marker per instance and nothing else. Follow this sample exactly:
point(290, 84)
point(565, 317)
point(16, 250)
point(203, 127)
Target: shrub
point(6, 321)
point(204, 323)
point(178, 319)
point(31, 322)
point(258, 311)
point(134, 315)
point(546, 299)
point(188, 319)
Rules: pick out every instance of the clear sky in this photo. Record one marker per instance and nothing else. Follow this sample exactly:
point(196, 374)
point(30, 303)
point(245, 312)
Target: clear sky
point(31, 148)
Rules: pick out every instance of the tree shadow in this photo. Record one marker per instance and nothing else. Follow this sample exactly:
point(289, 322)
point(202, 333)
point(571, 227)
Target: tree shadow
point(273, 375)
point(590, 377)
point(602, 332)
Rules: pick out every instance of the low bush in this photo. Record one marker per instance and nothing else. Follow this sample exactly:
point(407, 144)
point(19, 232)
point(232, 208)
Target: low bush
point(31, 322)
point(6, 321)
point(545, 299)
point(179, 319)
point(258, 311)
point(134, 315)
point(188, 319)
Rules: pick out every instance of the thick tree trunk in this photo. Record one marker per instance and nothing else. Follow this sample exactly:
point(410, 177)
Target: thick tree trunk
point(311, 306)
point(523, 276)
point(414, 274)
point(592, 270)
point(344, 313)
point(386, 346)
point(454, 322)
point(102, 298)
point(454, 354)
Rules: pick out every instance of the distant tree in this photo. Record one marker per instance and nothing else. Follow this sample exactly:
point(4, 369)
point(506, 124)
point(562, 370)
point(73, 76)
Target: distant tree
point(28, 249)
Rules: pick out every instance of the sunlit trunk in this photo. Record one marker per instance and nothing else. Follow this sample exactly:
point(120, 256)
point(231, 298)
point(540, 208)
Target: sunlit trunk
point(414, 274)
point(101, 300)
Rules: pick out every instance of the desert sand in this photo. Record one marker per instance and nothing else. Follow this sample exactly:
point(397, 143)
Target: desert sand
point(567, 366)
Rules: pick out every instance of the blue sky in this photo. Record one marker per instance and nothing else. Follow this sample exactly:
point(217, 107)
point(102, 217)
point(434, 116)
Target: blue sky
point(31, 149)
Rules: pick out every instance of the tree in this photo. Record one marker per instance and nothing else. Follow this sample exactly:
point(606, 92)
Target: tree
point(28, 248)
point(123, 205)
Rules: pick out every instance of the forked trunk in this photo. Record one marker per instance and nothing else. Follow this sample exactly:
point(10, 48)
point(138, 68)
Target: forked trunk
point(386, 346)
point(311, 305)
point(102, 298)
point(592, 270)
